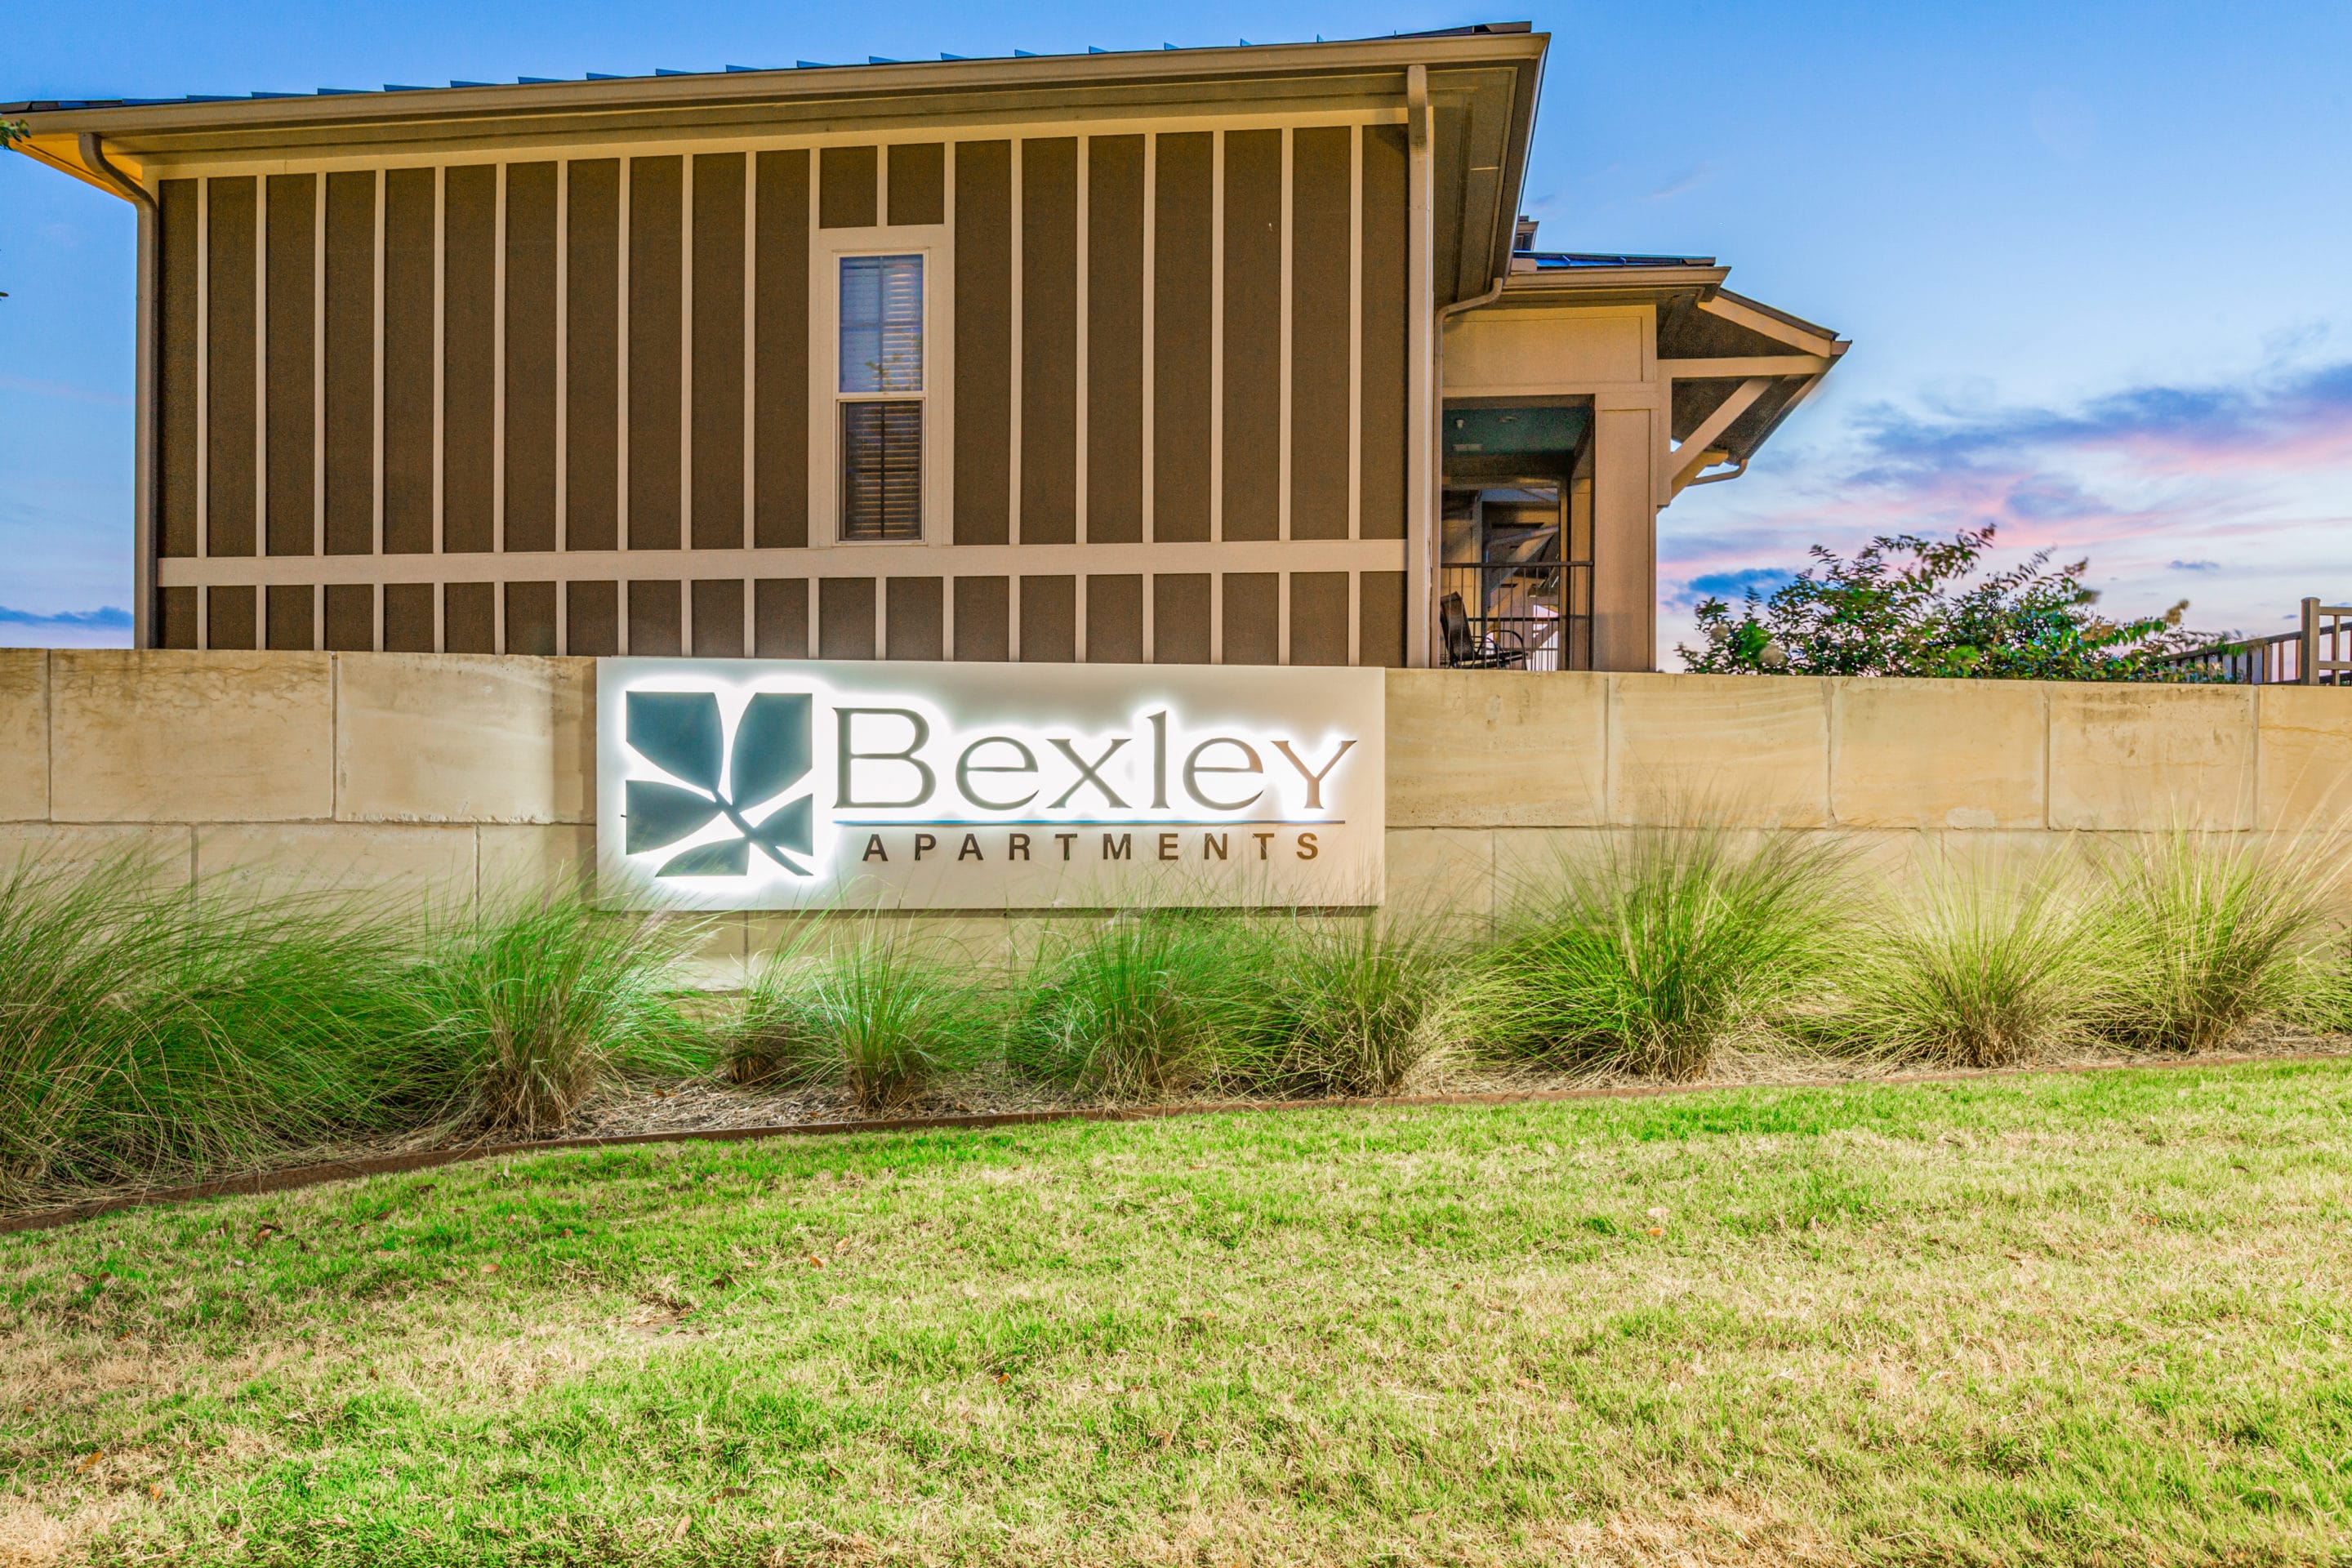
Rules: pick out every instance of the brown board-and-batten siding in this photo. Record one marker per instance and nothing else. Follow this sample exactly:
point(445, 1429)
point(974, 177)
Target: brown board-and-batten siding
point(563, 405)
point(177, 203)
point(348, 339)
point(1115, 340)
point(1253, 335)
point(411, 205)
point(469, 266)
point(528, 523)
point(717, 394)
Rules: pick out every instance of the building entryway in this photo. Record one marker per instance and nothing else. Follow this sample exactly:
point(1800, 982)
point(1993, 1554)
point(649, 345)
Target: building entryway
point(1515, 589)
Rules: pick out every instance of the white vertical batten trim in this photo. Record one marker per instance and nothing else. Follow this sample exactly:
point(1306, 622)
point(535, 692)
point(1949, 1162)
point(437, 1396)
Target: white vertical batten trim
point(563, 456)
point(440, 344)
point(440, 309)
point(686, 393)
point(621, 418)
point(1355, 340)
point(1355, 616)
point(204, 375)
point(376, 418)
point(619, 424)
point(1282, 581)
point(750, 362)
point(1217, 350)
point(1082, 336)
point(945, 398)
point(318, 400)
point(1217, 387)
point(1282, 418)
point(499, 407)
point(685, 349)
point(261, 395)
point(823, 424)
point(1017, 338)
point(318, 387)
point(1151, 465)
point(750, 387)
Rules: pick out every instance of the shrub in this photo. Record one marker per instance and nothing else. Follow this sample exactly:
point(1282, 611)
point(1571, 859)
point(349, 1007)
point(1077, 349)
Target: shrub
point(1910, 605)
point(2206, 931)
point(1970, 967)
point(1648, 956)
point(879, 1014)
point(532, 1005)
point(1350, 1006)
point(1138, 1006)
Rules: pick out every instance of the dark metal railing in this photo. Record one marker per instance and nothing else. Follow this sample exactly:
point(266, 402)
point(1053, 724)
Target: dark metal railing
point(2317, 653)
point(1522, 616)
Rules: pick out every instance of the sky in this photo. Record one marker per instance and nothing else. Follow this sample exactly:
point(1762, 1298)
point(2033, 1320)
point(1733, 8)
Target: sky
point(2095, 260)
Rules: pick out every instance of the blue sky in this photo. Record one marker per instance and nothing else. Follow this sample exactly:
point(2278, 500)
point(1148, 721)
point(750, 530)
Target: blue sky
point(2096, 260)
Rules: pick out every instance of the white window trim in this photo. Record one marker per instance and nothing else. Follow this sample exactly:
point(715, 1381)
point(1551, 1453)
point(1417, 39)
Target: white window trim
point(828, 247)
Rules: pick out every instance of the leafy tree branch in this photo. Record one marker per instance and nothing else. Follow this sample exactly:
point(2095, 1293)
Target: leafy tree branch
point(1907, 605)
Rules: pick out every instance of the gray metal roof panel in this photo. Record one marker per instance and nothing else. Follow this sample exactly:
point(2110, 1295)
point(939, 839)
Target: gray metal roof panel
point(44, 106)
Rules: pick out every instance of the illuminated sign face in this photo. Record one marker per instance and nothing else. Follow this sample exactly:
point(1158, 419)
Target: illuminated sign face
point(783, 784)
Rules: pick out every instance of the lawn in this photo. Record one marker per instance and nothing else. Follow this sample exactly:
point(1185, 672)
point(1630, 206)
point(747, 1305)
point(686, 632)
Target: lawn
point(2091, 1319)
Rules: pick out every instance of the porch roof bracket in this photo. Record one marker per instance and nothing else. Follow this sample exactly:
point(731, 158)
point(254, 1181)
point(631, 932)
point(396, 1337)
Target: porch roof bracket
point(1694, 453)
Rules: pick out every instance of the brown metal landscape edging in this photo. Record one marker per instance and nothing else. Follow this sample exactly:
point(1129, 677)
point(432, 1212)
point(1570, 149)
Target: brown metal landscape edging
point(296, 1176)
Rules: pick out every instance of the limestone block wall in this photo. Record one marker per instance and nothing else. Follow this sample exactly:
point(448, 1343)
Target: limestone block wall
point(447, 777)
point(1493, 775)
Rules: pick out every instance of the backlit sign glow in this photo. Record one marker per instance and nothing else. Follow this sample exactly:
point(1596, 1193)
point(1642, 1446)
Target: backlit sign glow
point(756, 785)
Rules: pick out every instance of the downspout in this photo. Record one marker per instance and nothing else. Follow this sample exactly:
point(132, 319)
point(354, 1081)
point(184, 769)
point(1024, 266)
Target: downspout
point(149, 425)
point(1730, 473)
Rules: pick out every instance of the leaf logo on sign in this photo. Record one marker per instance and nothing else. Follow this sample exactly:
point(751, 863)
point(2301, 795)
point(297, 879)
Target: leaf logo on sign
point(680, 732)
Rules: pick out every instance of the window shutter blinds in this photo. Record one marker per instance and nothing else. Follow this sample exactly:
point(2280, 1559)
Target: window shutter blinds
point(881, 441)
point(882, 471)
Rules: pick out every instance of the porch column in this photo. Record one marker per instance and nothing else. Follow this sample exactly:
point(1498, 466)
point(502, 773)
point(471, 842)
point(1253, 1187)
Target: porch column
point(1624, 540)
point(1421, 477)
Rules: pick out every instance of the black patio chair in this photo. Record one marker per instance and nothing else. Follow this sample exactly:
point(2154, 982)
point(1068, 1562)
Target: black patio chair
point(1465, 651)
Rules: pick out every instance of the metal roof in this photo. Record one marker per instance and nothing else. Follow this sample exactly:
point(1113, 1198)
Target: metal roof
point(47, 106)
point(1588, 261)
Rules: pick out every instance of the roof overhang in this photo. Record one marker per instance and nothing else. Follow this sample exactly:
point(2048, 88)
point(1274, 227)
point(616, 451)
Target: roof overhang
point(1482, 83)
point(1735, 367)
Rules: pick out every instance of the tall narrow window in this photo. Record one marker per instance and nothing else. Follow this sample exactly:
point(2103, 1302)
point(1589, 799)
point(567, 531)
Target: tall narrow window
point(881, 397)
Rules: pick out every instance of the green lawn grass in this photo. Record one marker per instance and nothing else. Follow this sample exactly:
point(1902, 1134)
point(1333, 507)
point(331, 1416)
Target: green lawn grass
point(2097, 1319)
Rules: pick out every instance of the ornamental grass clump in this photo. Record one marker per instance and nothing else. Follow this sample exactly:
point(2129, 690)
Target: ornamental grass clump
point(271, 1025)
point(1143, 1005)
point(2207, 931)
point(777, 1038)
point(1338, 1006)
point(1651, 954)
point(1969, 966)
point(879, 1014)
point(149, 1032)
point(71, 949)
point(532, 1005)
